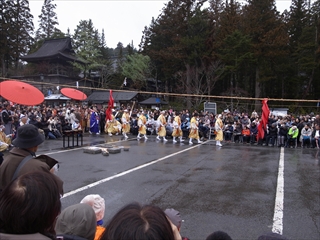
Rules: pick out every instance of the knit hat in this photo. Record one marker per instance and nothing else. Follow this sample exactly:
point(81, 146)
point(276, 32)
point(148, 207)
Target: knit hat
point(28, 136)
point(174, 217)
point(77, 220)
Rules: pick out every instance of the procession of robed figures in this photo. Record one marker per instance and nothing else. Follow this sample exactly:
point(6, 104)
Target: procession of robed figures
point(115, 125)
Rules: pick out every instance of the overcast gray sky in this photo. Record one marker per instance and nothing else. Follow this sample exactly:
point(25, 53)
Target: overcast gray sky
point(122, 21)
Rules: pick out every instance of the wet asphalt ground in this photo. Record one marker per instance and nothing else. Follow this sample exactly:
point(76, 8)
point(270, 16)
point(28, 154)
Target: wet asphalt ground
point(231, 188)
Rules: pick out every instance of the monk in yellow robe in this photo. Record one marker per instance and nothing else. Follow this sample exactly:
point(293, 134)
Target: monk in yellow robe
point(5, 140)
point(112, 126)
point(194, 128)
point(142, 120)
point(162, 122)
point(177, 132)
point(125, 119)
point(218, 127)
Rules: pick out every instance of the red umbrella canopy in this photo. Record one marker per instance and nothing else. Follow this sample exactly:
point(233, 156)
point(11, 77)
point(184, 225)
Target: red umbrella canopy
point(21, 93)
point(73, 93)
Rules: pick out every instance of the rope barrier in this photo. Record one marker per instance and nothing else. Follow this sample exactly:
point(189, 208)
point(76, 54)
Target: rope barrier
point(182, 95)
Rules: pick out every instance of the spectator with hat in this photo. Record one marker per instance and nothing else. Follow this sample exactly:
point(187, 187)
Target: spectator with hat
point(22, 158)
point(76, 222)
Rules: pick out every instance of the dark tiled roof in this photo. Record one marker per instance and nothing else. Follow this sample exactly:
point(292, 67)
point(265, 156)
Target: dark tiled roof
point(54, 48)
point(153, 101)
point(101, 97)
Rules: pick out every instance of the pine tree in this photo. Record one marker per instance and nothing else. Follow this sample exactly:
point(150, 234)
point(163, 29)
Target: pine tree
point(87, 46)
point(18, 27)
point(120, 57)
point(48, 21)
point(264, 26)
point(302, 29)
point(4, 25)
point(236, 54)
point(176, 41)
point(137, 68)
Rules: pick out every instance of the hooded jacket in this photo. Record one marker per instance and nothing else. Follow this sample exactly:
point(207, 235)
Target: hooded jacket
point(77, 220)
point(11, 162)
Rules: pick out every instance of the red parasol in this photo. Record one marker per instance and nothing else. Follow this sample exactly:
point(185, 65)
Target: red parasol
point(21, 93)
point(73, 93)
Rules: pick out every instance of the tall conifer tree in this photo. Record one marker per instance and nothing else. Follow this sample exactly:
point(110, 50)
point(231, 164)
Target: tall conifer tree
point(48, 21)
point(87, 46)
point(265, 28)
point(19, 30)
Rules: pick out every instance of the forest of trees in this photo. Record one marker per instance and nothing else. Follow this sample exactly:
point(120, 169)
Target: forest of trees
point(227, 48)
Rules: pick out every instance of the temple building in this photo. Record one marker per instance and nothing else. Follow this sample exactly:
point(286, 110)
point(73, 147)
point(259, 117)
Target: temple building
point(51, 67)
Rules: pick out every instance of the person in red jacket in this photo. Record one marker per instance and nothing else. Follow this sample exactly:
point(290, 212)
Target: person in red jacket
point(245, 134)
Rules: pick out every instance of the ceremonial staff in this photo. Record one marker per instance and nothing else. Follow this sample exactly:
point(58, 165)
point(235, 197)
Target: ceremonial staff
point(132, 108)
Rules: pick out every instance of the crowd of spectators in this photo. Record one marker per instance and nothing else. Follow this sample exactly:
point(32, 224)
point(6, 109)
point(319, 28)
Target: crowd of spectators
point(30, 206)
point(282, 131)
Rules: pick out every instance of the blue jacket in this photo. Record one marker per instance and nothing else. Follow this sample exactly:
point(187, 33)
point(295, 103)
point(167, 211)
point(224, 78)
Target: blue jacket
point(254, 129)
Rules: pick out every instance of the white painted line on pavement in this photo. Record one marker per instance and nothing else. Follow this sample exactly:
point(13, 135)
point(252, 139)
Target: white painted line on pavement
point(128, 171)
point(278, 208)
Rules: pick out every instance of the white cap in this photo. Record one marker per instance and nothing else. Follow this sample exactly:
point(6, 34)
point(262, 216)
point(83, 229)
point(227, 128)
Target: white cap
point(97, 203)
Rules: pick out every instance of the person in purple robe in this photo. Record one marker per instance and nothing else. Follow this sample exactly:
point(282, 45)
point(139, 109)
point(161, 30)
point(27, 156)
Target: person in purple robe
point(94, 122)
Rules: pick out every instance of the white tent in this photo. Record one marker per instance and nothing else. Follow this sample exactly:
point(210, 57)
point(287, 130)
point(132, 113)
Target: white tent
point(57, 97)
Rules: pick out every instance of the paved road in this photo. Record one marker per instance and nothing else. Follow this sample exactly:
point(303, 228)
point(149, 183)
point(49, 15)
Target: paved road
point(233, 188)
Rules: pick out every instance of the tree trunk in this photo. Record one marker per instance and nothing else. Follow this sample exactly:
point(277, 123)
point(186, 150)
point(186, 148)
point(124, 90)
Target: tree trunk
point(3, 66)
point(257, 89)
point(188, 81)
point(231, 92)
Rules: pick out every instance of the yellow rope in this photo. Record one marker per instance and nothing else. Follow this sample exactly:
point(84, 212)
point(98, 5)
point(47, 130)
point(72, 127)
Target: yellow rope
point(171, 94)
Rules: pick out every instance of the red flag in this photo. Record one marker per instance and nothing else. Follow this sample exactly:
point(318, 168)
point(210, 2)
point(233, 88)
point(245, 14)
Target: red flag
point(110, 107)
point(260, 134)
point(264, 119)
point(265, 112)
